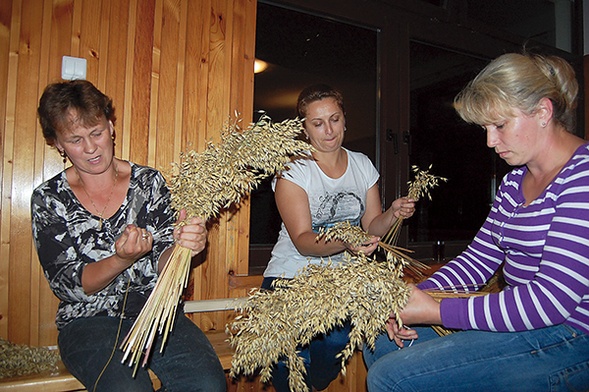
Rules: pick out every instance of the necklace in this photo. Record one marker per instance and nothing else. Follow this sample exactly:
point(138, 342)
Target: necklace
point(112, 190)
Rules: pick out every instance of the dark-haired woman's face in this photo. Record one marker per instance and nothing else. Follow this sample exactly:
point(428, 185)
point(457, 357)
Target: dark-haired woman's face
point(325, 125)
point(89, 148)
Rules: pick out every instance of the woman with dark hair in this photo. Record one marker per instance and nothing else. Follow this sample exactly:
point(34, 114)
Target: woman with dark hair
point(104, 229)
point(333, 185)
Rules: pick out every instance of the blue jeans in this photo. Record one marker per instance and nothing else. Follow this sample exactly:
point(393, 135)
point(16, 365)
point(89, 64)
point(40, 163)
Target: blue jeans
point(547, 359)
point(319, 357)
point(188, 362)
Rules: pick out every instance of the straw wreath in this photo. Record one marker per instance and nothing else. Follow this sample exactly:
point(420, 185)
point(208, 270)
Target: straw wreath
point(273, 325)
point(204, 184)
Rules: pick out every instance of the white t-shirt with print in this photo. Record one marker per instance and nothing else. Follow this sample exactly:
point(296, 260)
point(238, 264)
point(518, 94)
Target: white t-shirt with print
point(330, 200)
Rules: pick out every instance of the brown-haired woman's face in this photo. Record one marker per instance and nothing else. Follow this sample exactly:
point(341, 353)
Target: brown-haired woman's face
point(89, 148)
point(325, 125)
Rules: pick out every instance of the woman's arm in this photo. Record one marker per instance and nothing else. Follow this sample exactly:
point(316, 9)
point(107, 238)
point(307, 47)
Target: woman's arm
point(377, 222)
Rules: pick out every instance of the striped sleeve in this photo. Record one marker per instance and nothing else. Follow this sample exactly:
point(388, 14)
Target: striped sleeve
point(545, 246)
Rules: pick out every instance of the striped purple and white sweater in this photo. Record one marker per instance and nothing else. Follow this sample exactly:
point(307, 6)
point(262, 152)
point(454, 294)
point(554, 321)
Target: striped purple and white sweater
point(545, 250)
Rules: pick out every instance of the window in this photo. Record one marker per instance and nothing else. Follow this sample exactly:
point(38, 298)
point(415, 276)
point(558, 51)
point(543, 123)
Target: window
point(455, 149)
point(544, 21)
point(399, 64)
point(301, 49)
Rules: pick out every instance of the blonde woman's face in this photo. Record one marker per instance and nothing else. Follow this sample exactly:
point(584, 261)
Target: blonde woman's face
point(515, 139)
point(325, 125)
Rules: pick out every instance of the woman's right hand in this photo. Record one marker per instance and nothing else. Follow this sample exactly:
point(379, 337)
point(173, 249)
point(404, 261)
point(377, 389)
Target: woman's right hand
point(367, 247)
point(134, 243)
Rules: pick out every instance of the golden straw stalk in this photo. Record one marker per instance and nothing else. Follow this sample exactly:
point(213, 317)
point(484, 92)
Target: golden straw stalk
point(204, 184)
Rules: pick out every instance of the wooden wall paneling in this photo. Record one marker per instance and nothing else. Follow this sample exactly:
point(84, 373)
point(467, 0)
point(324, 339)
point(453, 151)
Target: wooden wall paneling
point(124, 146)
point(8, 59)
point(168, 27)
point(225, 249)
point(195, 120)
point(155, 83)
point(117, 77)
point(181, 81)
point(103, 53)
point(87, 35)
point(143, 14)
point(196, 75)
point(19, 312)
point(212, 272)
point(241, 96)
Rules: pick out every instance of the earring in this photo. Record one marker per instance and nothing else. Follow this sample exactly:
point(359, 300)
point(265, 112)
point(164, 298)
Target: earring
point(63, 155)
point(543, 124)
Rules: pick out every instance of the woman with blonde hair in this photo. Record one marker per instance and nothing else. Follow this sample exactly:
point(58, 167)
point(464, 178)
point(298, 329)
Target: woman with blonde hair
point(534, 334)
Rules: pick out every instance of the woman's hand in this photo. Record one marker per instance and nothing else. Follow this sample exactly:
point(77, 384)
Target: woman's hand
point(421, 308)
point(134, 243)
point(403, 207)
point(191, 235)
point(368, 247)
point(399, 333)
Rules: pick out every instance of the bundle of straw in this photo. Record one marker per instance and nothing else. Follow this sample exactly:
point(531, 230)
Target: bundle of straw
point(421, 185)
point(273, 325)
point(203, 184)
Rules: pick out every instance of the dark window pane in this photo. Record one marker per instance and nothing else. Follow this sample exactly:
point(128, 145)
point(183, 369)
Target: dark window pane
point(544, 21)
point(455, 150)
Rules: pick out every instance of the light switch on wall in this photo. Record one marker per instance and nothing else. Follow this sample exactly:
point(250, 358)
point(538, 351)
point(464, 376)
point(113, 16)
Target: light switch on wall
point(73, 68)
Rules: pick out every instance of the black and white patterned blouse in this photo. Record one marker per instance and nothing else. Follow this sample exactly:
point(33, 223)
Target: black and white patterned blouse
point(67, 237)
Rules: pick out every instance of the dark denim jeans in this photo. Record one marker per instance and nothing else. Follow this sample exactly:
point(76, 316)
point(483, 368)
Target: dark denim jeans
point(320, 359)
point(188, 361)
point(547, 359)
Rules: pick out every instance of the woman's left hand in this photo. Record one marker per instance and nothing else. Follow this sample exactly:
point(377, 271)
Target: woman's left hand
point(191, 235)
point(403, 207)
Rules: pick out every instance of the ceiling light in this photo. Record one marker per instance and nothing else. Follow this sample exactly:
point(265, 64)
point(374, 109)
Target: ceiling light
point(260, 66)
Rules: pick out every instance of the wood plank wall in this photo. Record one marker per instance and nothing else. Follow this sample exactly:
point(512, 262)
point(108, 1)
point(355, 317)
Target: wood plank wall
point(176, 70)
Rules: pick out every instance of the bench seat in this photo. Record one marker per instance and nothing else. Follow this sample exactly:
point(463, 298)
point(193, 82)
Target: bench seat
point(62, 380)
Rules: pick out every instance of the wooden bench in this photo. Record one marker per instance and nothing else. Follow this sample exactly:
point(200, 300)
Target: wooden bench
point(62, 380)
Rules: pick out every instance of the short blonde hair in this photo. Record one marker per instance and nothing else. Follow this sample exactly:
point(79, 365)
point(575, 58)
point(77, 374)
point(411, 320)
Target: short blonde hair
point(519, 81)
